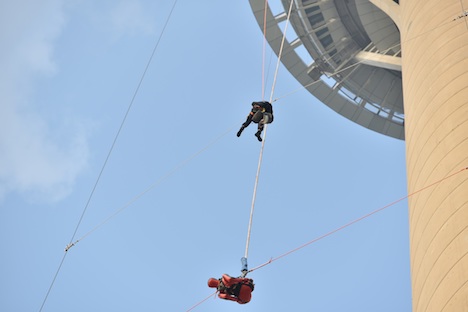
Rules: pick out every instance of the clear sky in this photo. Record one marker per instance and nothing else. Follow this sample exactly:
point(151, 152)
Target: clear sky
point(69, 70)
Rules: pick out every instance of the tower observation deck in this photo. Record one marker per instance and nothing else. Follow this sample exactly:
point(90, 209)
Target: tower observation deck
point(399, 68)
point(352, 58)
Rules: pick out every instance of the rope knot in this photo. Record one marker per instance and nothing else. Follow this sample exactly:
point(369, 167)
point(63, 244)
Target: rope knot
point(69, 246)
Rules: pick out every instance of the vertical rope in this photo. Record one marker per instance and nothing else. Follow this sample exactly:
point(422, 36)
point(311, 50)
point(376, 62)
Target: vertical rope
point(264, 49)
point(281, 51)
point(254, 196)
point(260, 158)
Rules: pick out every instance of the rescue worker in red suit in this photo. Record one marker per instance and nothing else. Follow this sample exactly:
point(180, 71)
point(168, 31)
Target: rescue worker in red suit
point(237, 289)
point(261, 113)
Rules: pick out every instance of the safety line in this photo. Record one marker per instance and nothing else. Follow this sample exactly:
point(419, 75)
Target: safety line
point(108, 154)
point(196, 305)
point(356, 220)
point(155, 184)
point(260, 158)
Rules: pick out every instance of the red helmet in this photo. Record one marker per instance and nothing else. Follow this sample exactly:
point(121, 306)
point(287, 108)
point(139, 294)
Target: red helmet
point(213, 283)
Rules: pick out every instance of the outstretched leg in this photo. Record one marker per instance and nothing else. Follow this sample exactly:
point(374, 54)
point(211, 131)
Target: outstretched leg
point(240, 131)
point(258, 134)
point(245, 124)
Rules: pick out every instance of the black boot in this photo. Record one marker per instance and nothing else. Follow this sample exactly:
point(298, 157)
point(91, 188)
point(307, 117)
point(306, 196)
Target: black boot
point(240, 131)
point(259, 135)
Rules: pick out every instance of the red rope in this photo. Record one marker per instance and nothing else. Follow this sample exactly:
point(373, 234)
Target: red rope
point(193, 307)
point(354, 221)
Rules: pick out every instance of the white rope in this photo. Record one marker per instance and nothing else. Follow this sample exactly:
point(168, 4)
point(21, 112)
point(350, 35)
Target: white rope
point(254, 196)
point(281, 51)
point(260, 158)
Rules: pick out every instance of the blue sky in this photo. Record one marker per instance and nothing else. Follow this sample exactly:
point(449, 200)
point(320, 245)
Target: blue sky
point(69, 72)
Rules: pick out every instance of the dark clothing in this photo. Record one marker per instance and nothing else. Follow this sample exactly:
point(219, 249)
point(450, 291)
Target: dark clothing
point(265, 105)
point(261, 114)
point(258, 112)
point(237, 289)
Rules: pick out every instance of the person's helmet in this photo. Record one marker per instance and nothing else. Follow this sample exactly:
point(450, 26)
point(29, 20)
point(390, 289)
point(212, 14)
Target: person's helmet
point(213, 283)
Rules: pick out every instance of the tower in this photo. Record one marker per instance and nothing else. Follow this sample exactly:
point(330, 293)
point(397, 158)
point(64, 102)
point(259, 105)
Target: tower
point(399, 68)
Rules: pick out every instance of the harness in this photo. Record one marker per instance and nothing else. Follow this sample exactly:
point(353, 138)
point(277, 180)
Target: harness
point(235, 289)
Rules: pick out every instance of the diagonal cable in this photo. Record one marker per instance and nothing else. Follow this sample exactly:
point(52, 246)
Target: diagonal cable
point(109, 154)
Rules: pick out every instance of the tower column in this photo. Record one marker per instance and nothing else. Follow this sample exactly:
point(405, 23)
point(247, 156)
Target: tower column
point(435, 87)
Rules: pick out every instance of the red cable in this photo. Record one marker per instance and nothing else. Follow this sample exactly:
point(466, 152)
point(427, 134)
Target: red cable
point(352, 222)
point(196, 305)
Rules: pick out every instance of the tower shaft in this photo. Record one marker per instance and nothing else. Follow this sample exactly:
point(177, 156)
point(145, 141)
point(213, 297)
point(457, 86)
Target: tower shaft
point(435, 87)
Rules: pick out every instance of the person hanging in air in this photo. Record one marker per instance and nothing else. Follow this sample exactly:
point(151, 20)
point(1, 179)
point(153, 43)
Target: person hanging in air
point(237, 289)
point(261, 113)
